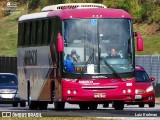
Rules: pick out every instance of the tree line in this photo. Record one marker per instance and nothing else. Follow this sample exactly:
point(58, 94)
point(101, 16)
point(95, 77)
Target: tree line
point(141, 10)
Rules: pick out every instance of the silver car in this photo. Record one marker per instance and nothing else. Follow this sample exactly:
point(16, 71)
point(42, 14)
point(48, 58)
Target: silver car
point(9, 90)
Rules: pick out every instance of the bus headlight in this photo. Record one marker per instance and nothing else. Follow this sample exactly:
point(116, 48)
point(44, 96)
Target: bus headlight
point(124, 91)
point(74, 92)
point(129, 90)
point(149, 89)
point(69, 91)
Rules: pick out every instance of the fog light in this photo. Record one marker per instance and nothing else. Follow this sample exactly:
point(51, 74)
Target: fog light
point(150, 98)
point(69, 92)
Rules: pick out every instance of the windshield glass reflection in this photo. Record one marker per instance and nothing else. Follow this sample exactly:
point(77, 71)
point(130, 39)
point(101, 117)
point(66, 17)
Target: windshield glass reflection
point(97, 38)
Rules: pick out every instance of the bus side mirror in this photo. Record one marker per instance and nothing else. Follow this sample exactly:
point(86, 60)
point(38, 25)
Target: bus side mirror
point(139, 41)
point(60, 43)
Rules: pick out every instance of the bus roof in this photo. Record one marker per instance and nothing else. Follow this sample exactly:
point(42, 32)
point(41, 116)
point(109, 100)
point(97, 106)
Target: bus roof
point(79, 13)
point(72, 6)
point(90, 13)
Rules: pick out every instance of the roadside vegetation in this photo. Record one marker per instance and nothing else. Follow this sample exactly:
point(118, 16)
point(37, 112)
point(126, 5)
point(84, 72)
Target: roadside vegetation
point(146, 19)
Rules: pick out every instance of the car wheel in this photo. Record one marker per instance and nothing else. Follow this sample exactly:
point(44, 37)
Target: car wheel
point(152, 104)
point(141, 105)
point(23, 104)
point(15, 104)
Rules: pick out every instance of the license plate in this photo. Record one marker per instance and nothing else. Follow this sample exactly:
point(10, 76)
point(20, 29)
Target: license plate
point(138, 97)
point(99, 95)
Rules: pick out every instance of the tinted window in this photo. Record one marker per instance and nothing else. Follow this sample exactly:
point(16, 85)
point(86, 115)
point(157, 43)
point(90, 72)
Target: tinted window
point(141, 76)
point(40, 32)
point(45, 32)
point(20, 33)
point(8, 80)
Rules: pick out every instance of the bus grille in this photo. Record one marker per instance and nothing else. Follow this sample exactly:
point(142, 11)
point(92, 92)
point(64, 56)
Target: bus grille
point(99, 87)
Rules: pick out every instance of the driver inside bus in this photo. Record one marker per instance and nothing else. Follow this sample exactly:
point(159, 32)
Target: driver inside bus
point(113, 54)
point(73, 57)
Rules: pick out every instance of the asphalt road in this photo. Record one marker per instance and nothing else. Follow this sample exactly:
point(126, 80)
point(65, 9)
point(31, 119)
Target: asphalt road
point(130, 111)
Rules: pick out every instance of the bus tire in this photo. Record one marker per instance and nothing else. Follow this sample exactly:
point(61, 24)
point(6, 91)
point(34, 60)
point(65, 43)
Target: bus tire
point(83, 106)
point(28, 93)
point(33, 105)
point(23, 104)
point(118, 105)
point(59, 105)
point(93, 106)
point(43, 105)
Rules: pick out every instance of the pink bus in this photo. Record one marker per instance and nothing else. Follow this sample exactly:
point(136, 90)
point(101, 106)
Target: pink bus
point(64, 56)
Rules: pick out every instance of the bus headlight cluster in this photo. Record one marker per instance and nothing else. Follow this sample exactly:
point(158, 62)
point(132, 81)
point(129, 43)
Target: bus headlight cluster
point(127, 91)
point(71, 92)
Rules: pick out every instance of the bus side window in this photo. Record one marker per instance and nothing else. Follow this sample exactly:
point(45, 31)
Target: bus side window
point(27, 37)
point(49, 31)
point(36, 32)
point(52, 31)
point(39, 32)
point(54, 28)
point(45, 32)
point(20, 33)
point(33, 33)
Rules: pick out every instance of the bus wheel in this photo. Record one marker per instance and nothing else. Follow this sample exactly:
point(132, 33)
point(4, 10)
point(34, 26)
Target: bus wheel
point(33, 105)
point(59, 105)
point(83, 106)
point(23, 104)
point(118, 105)
point(43, 106)
point(93, 106)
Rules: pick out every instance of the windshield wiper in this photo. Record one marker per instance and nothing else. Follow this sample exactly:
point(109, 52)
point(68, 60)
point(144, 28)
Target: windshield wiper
point(114, 72)
point(84, 68)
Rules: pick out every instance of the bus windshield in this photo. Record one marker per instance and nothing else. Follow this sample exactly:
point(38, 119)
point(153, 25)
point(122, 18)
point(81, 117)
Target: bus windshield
point(89, 44)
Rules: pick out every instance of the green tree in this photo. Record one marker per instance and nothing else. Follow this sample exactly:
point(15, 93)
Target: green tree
point(44, 3)
point(32, 4)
